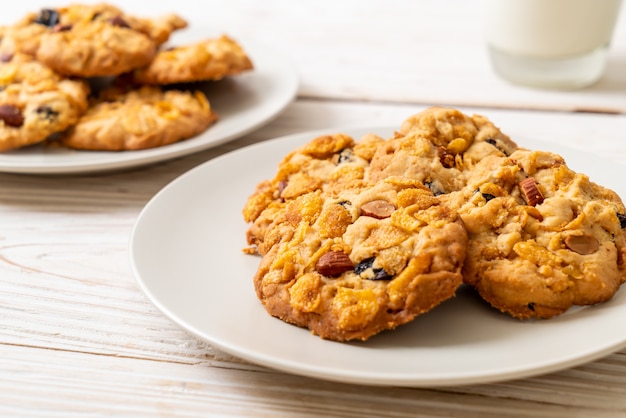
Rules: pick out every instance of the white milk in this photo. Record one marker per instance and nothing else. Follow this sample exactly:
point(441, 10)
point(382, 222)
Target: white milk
point(549, 28)
point(550, 43)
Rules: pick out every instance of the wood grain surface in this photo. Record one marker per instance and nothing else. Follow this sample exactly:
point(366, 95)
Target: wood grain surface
point(78, 338)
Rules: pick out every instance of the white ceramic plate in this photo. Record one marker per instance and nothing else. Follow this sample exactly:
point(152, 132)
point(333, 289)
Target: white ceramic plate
point(186, 254)
point(243, 103)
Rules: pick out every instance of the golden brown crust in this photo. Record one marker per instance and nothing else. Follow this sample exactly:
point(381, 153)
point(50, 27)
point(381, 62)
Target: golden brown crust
point(88, 40)
point(436, 146)
point(144, 118)
point(160, 28)
point(537, 250)
point(345, 257)
point(211, 59)
point(39, 101)
point(333, 163)
point(95, 49)
point(348, 273)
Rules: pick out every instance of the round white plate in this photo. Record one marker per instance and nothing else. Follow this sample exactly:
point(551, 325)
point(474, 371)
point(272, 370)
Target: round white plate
point(243, 103)
point(186, 252)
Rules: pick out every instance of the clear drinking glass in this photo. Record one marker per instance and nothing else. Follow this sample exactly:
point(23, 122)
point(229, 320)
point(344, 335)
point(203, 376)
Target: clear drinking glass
point(550, 43)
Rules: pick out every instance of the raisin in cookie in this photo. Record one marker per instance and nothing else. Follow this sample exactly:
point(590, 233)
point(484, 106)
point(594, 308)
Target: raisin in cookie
point(542, 237)
point(142, 118)
point(35, 102)
point(436, 146)
point(331, 163)
point(366, 260)
point(211, 59)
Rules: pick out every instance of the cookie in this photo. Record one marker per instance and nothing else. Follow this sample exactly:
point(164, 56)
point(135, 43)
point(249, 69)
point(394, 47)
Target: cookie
point(331, 163)
point(141, 118)
point(88, 40)
point(211, 59)
point(36, 102)
point(366, 260)
point(437, 145)
point(542, 238)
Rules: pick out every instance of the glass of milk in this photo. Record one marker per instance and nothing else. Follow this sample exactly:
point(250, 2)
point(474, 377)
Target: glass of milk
point(559, 44)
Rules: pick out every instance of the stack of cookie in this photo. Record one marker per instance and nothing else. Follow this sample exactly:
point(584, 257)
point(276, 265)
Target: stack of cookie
point(361, 236)
point(51, 60)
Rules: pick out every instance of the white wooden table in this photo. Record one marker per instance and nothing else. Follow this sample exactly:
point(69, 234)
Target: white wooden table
point(79, 338)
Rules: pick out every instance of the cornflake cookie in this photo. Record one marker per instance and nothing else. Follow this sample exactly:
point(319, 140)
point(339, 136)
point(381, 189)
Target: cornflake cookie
point(332, 163)
point(138, 119)
point(366, 260)
point(35, 102)
point(542, 237)
point(88, 40)
point(436, 146)
point(211, 59)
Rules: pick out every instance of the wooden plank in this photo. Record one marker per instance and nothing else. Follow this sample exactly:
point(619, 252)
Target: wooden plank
point(37, 382)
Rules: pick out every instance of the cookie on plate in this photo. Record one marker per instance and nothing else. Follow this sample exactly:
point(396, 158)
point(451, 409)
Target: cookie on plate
point(542, 237)
point(329, 163)
point(88, 40)
point(36, 102)
point(141, 118)
point(367, 259)
point(436, 146)
point(211, 59)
